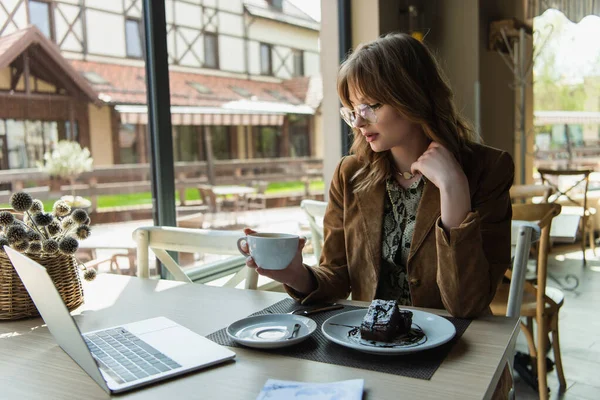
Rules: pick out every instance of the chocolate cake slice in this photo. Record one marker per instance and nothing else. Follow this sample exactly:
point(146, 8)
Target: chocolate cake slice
point(384, 321)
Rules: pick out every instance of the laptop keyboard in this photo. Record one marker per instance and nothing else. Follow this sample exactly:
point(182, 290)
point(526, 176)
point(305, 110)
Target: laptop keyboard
point(125, 357)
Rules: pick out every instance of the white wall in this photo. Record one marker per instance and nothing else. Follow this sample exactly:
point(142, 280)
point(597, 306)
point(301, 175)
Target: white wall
point(282, 62)
point(311, 64)
point(236, 6)
point(71, 43)
point(136, 11)
point(109, 5)
point(188, 14)
point(231, 24)
point(278, 33)
point(231, 54)
point(20, 16)
point(211, 3)
point(106, 33)
point(189, 59)
point(254, 57)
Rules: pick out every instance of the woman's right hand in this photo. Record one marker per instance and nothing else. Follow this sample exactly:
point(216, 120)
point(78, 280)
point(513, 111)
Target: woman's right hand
point(295, 275)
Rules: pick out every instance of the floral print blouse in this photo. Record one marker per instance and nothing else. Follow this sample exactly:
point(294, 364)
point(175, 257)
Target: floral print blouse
point(399, 216)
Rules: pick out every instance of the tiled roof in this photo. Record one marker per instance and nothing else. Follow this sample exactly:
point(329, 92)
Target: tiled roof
point(46, 61)
point(127, 85)
point(8, 41)
point(308, 89)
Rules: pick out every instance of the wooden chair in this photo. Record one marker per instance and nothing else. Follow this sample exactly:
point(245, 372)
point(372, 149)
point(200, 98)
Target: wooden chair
point(538, 302)
point(258, 200)
point(523, 234)
point(163, 239)
point(580, 207)
point(209, 198)
point(526, 193)
point(315, 211)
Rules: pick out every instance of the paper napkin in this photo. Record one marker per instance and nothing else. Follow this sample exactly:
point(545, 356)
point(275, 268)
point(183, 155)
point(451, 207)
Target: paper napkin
point(284, 390)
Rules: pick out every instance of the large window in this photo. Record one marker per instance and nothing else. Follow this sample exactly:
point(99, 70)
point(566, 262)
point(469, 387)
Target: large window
point(26, 141)
point(133, 38)
point(266, 67)
point(266, 141)
point(298, 63)
point(299, 135)
point(40, 16)
point(128, 149)
point(211, 51)
point(221, 142)
point(187, 143)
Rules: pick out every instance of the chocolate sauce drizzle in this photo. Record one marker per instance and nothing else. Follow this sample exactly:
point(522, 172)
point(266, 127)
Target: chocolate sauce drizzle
point(415, 337)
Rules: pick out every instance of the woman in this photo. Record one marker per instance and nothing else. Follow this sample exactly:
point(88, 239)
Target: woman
point(420, 212)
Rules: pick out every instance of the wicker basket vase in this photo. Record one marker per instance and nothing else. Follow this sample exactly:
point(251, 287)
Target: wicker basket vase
point(15, 302)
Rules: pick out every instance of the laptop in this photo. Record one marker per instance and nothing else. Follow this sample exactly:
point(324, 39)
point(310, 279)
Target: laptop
point(121, 357)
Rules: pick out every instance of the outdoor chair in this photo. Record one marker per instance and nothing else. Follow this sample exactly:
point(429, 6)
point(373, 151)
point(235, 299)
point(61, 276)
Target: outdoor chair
point(163, 239)
point(539, 302)
point(315, 211)
point(579, 207)
point(209, 198)
point(258, 200)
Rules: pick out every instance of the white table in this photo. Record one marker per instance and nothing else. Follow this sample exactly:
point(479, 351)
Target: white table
point(233, 190)
point(239, 194)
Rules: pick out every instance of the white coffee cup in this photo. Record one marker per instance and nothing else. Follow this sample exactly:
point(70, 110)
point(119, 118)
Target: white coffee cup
point(270, 250)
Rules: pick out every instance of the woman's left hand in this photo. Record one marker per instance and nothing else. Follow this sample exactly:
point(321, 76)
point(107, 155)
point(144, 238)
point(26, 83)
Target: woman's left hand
point(439, 166)
point(443, 170)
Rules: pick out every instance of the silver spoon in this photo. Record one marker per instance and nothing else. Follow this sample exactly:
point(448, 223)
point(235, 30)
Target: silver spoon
point(294, 332)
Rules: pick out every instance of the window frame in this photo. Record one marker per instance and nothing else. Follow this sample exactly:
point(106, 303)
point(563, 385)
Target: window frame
point(276, 4)
point(215, 36)
point(300, 53)
point(270, 57)
point(140, 30)
point(51, 26)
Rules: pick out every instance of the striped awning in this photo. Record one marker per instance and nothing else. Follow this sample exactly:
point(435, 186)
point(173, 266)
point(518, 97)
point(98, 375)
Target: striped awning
point(541, 118)
point(202, 116)
point(575, 10)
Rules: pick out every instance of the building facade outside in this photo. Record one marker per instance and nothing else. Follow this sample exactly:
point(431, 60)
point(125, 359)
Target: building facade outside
point(244, 79)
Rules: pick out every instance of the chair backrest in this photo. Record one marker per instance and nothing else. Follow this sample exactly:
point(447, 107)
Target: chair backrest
point(523, 234)
point(526, 193)
point(315, 211)
point(260, 186)
point(584, 177)
point(162, 239)
point(542, 215)
point(208, 197)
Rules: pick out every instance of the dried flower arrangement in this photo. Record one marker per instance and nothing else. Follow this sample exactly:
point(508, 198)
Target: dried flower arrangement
point(44, 233)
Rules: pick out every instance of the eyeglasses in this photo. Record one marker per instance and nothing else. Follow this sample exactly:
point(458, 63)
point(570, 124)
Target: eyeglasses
point(365, 111)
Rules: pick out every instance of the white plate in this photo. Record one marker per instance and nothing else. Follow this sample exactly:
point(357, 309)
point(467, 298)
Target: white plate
point(339, 329)
point(270, 331)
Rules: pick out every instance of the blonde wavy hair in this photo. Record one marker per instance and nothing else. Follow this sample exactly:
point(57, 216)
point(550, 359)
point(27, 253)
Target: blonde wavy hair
point(400, 71)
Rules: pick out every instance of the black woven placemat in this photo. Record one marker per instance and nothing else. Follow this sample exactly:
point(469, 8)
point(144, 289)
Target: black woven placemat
point(421, 365)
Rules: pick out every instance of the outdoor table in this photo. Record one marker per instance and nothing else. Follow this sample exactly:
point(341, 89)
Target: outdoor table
point(239, 194)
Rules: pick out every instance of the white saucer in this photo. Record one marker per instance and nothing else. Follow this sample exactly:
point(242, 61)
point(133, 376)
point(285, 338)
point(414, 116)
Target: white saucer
point(270, 331)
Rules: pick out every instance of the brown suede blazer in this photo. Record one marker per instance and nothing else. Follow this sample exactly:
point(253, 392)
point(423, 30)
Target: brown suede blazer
point(458, 271)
